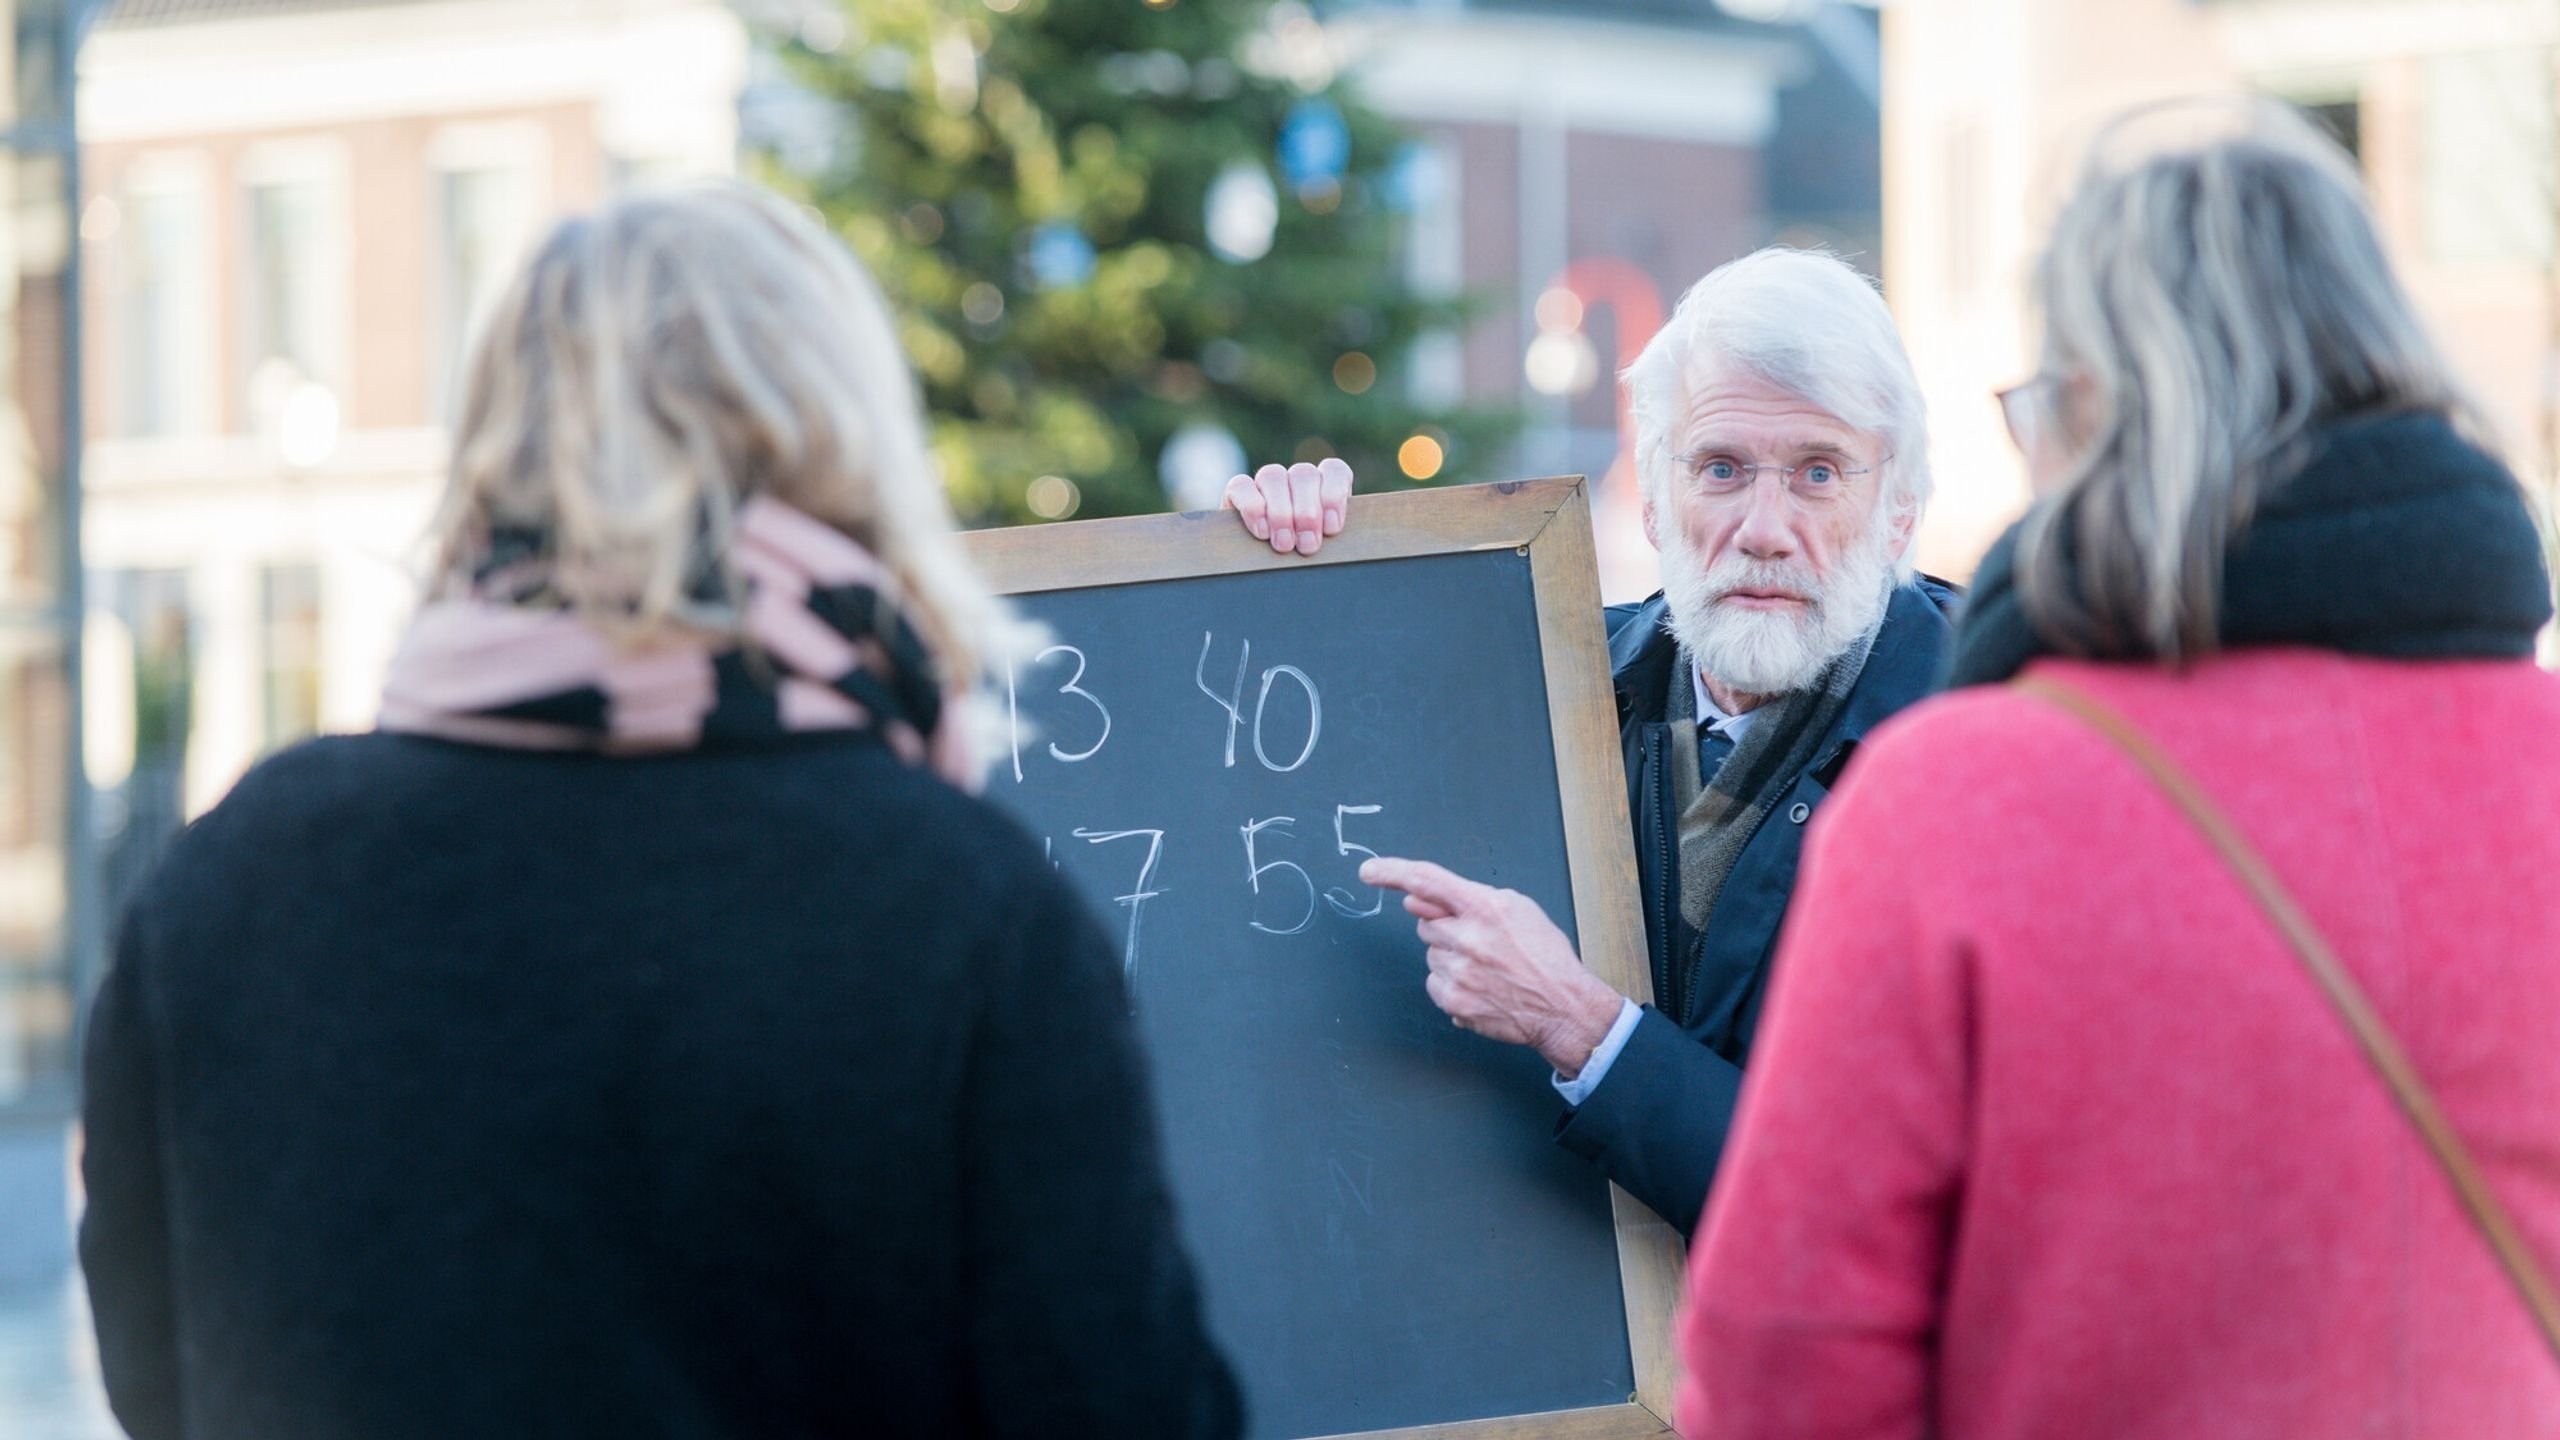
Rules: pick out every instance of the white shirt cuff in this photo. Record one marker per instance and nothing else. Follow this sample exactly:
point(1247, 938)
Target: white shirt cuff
point(1603, 1055)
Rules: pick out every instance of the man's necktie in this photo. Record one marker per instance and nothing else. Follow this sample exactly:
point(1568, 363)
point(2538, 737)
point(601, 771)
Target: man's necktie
point(1713, 746)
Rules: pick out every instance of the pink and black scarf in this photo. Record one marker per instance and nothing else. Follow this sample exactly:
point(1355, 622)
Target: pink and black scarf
point(825, 649)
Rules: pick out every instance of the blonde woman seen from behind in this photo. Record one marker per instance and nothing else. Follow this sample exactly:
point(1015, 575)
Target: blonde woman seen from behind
point(644, 1032)
point(2052, 1133)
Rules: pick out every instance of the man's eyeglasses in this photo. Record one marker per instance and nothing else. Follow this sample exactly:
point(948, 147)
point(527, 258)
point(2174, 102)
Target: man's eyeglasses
point(1814, 482)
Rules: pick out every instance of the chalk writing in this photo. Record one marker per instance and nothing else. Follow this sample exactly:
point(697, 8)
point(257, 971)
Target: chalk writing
point(1254, 872)
point(1137, 899)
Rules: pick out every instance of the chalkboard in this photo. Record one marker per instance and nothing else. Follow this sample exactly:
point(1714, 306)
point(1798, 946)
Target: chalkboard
point(1387, 1235)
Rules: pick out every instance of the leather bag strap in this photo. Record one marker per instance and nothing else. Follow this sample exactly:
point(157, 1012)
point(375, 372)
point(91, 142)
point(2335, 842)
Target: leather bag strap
point(2348, 998)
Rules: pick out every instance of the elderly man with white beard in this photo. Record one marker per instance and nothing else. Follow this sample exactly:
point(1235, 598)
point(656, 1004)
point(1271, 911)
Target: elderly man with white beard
point(1781, 448)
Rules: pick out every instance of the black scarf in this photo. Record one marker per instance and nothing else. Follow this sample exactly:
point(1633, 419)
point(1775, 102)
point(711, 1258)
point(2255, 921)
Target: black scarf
point(2398, 539)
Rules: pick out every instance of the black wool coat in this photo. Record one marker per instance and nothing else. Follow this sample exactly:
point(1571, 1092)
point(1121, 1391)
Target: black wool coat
point(782, 1091)
point(1656, 1122)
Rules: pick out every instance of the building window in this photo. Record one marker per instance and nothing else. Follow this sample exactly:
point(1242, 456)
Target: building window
point(34, 712)
point(490, 185)
point(2342, 121)
point(291, 313)
point(142, 787)
point(1425, 186)
point(485, 216)
point(35, 748)
point(35, 336)
point(487, 180)
point(157, 239)
point(2489, 179)
point(289, 652)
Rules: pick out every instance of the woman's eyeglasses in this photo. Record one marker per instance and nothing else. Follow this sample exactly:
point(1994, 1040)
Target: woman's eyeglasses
point(2025, 406)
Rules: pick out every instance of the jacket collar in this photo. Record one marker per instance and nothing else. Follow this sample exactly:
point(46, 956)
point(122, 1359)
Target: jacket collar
point(1919, 634)
point(1641, 654)
point(1904, 666)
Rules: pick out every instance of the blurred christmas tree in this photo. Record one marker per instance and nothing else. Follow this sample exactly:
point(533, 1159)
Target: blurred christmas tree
point(1115, 229)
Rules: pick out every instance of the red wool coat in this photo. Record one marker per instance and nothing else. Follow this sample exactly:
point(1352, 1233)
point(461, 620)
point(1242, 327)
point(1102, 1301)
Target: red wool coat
point(2050, 1136)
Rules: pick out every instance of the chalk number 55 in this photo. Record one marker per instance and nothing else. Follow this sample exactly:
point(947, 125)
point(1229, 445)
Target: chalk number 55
point(1344, 902)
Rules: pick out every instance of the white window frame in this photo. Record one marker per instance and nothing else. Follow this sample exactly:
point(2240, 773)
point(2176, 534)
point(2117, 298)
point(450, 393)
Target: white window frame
point(521, 145)
point(324, 161)
point(185, 176)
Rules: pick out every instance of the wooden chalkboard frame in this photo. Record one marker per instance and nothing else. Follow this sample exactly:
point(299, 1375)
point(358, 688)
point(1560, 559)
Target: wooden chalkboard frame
point(1549, 521)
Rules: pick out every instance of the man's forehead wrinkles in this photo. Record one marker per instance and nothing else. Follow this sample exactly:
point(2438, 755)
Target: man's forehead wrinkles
point(1713, 414)
point(1752, 417)
point(1711, 435)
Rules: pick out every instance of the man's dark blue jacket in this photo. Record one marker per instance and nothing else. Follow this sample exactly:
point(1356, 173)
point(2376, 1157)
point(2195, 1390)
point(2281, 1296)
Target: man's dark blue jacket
point(1656, 1123)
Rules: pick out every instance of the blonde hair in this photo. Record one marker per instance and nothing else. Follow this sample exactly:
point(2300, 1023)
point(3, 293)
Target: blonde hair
point(660, 362)
point(2213, 290)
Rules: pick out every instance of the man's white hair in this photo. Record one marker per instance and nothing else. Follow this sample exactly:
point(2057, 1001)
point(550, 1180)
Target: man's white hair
point(1807, 323)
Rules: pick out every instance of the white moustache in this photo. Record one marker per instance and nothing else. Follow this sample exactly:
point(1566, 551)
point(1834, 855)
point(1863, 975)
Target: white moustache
point(1791, 581)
